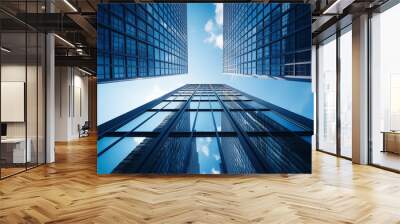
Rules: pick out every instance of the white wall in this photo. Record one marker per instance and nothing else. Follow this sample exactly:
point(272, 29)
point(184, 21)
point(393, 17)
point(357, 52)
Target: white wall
point(71, 102)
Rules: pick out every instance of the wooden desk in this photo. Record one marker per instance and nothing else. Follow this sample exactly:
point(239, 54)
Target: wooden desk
point(391, 141)
point(13, 150)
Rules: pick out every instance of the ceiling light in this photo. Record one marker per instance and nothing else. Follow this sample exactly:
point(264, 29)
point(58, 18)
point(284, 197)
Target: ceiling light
point(5, 50)
point(84, 71)
point(70, 5)
point(337, 7)
point(64, 40)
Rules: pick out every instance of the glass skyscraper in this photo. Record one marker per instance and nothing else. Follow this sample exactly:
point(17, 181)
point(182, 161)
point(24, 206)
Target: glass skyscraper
point(141, 40)
point(206, 129)
point(268, 40)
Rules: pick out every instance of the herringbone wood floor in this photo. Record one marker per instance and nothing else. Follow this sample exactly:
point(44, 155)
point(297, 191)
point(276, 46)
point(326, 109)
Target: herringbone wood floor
point(69, 191)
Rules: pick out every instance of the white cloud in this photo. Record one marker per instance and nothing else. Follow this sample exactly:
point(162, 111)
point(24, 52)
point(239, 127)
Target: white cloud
point(219, 41)
point(209, 26)
point(214, 171)
point(205, 150)
point(219, 13)
point(138, 140)
point(216, 40)
point(215, 36)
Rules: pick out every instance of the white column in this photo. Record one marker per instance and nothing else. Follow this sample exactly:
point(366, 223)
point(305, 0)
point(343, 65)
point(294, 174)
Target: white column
point(50, 98)
point(314, 91)
point(360, 90)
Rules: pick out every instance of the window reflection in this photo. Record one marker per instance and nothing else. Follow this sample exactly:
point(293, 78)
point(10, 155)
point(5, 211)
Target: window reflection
point(235, 157)
point(248, 121)
point(153, 122)
point(160, 105)
point(204, 105)
point(232, 105)
point(215, 105)
point(253, 105)
point(222, 122)
point(212, 98)
point(186, 122)
point(181, 98)
point(113, 156)
point(284, 154)
point(204, 122)
point(105, 142)
point(194, 105)
point(282, 121)
point(173, 105)
point(206, 158)
point(135, 122)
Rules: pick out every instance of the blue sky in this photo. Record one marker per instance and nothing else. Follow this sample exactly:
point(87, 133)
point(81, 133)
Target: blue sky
point(205, 66)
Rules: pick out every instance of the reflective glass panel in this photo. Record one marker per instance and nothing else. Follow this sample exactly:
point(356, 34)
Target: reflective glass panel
point(346, 94)
point(160, 105)
point(327, 97)
point(113, 156)
point(282, 121)
point(208, 157)
point(181, 98)
point(212, 98)
point(215, 105)
point(173, 105)
point(153, 122)
point(222, 121)
point(135, 122)
point(253, 105)
point(186, 122)
point(248, 121)
point(194, 105)
point(204, 105)
point(232, 105)
point(105, 142)
point(204, 122)
point(235, 157)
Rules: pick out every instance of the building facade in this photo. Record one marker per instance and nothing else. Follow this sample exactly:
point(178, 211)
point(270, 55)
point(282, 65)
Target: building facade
point(141, 40)
point(206, 129)
point(268, 40)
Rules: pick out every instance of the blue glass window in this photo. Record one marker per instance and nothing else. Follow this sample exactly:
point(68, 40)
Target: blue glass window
point(283, 121)
point(204, 105)
point(105, 142)
point(135, 122)
point(131, 67)
point(173, 105)
point(250, 30)
point(208, 158)
point(113, 156)
point(160, 105)
point(139, 24)
point(186, 122)
point(154, 122)
point(194, 105)
point(204, 122)
point(215, 105)
point(222, 122)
